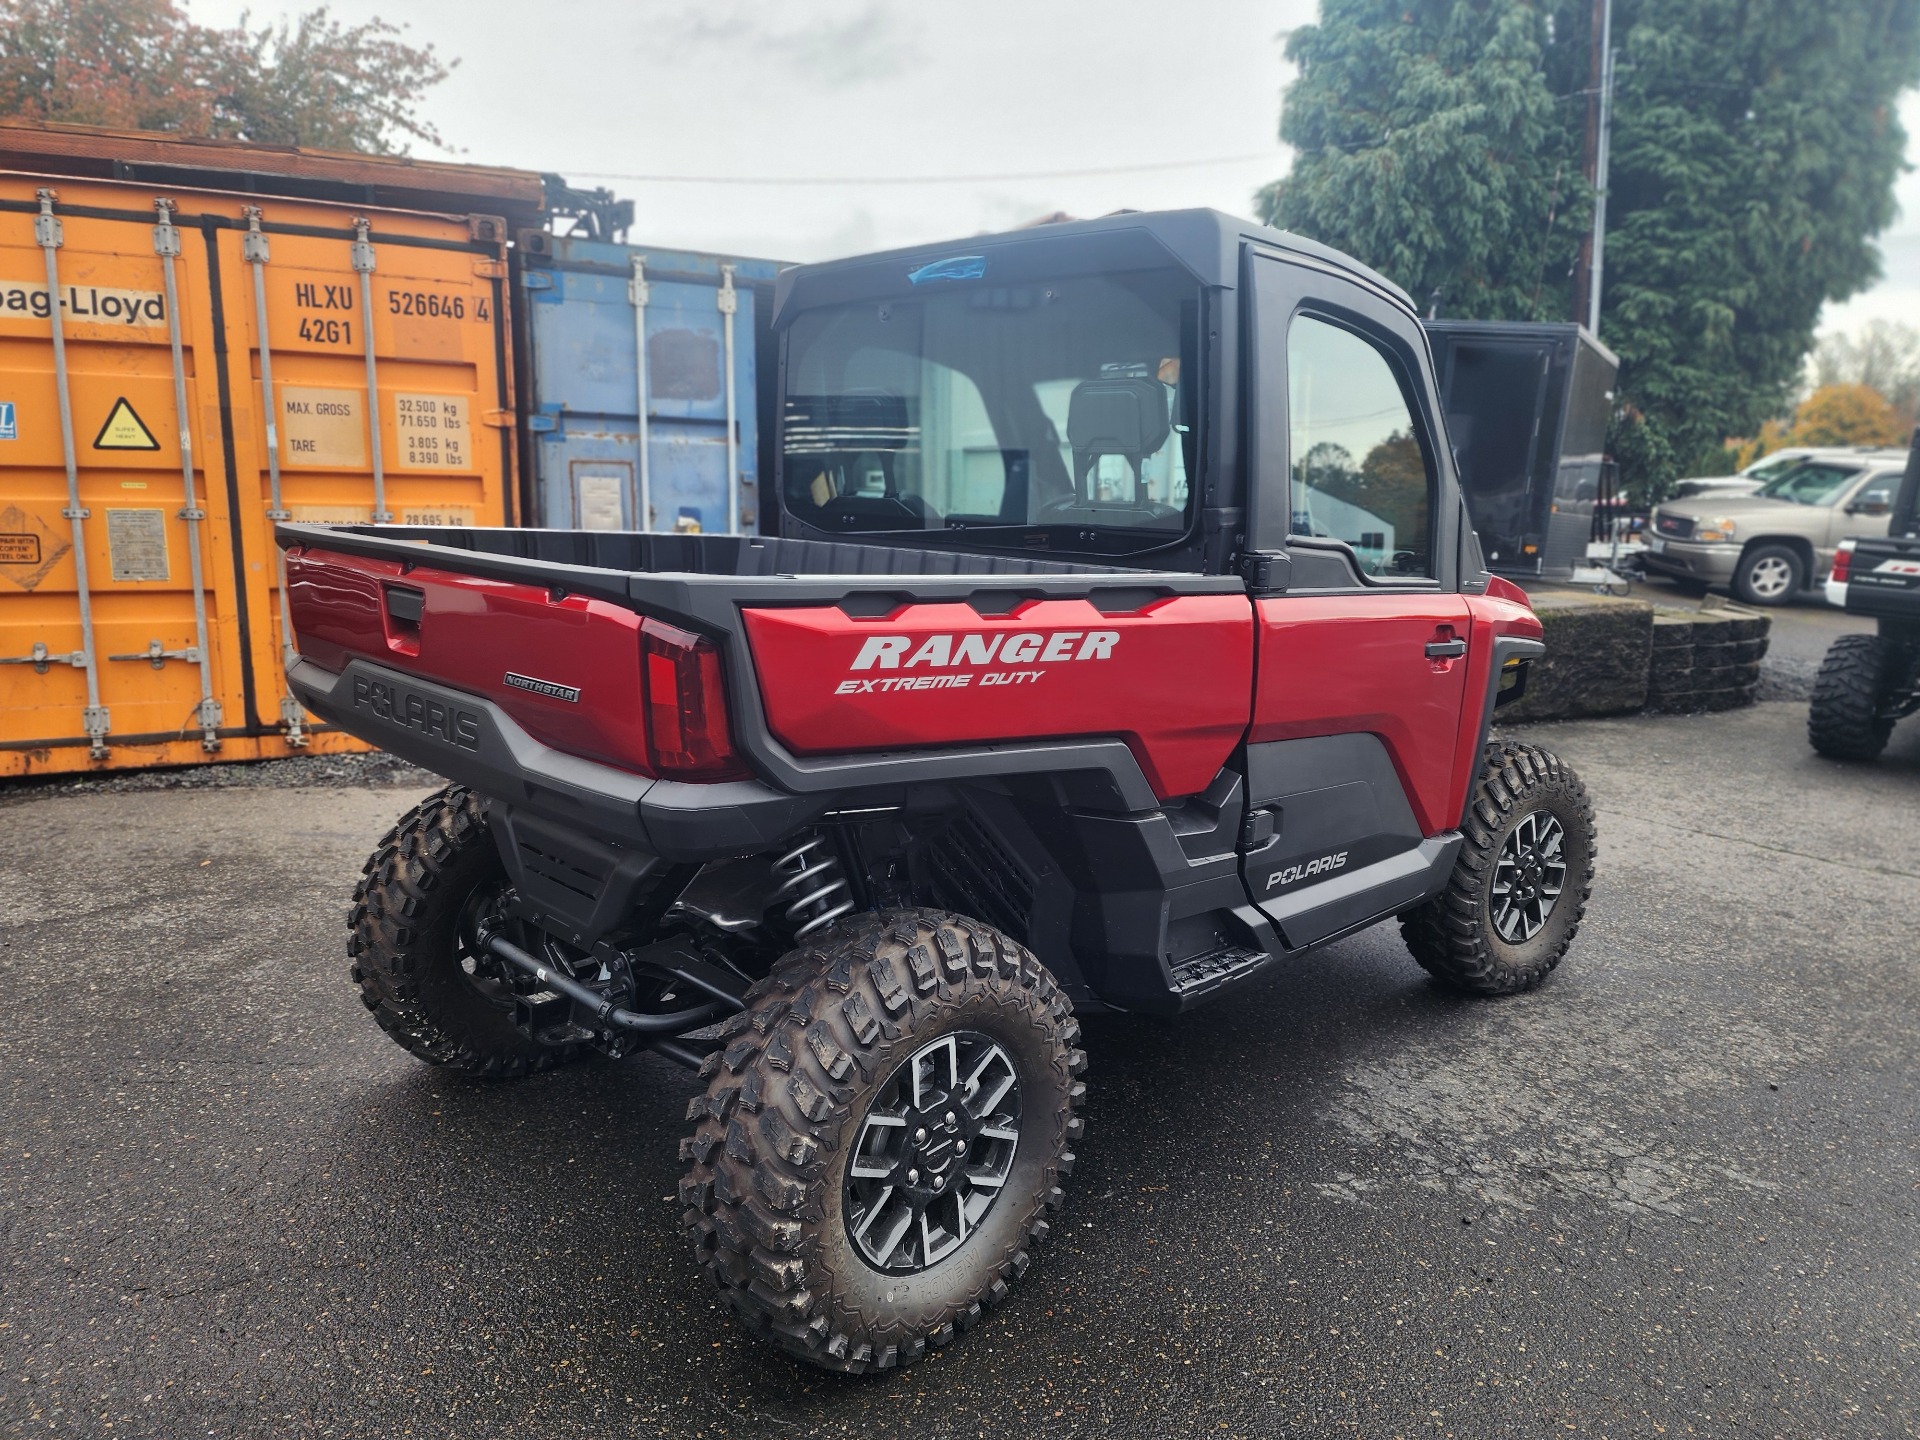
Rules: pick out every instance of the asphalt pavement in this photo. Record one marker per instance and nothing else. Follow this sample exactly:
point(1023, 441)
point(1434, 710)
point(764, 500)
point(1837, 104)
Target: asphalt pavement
point(1674, 1192)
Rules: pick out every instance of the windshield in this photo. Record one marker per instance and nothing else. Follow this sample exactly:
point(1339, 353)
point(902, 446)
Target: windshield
point(1813, 483)
point(1772, 466)
point(1061, 402)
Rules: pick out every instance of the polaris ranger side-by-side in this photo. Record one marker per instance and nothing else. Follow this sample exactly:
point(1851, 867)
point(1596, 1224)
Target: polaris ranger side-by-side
point(1125, 641)
point(1867, 683)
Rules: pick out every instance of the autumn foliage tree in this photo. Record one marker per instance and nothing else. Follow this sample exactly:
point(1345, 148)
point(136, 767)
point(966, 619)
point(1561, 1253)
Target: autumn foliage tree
point(144, 64)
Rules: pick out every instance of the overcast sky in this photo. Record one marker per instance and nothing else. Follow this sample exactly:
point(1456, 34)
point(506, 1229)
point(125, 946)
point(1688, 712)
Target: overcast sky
point(890, 89)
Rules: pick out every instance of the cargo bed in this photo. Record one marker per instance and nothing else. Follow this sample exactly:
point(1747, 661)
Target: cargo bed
point(519, 660)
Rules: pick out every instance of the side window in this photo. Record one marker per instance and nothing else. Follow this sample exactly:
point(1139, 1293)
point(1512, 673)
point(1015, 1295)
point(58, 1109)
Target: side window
point(1876, 497)
point(1357, 473)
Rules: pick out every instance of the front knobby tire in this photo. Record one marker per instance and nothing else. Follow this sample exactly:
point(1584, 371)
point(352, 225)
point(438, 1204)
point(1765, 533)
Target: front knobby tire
point(412, 943)
point(811, 1114)
point(1845, 720)
point(1520, 887)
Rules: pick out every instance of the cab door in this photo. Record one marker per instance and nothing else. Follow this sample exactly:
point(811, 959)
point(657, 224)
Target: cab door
point(1362, 640)
point(1865, 513)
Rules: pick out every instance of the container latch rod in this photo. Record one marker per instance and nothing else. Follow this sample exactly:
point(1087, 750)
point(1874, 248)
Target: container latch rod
point(254, 249)
point(638, 291)
point(47, 233)
point(362, 255)
point(166, 244)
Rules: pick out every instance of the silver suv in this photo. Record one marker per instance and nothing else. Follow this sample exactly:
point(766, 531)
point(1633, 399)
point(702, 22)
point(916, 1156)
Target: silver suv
point(1771, 545)
point(1768, 466)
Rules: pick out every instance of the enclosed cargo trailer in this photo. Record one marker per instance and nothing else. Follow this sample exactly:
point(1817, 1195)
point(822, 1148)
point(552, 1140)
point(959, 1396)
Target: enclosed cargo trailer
point(182, 365)
point(1527, 410)
point(689, 458)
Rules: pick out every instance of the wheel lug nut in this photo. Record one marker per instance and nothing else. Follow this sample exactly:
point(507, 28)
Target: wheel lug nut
point(920, 1137)
point(939, 1184)
point(913, 1177)
point(949, 1117)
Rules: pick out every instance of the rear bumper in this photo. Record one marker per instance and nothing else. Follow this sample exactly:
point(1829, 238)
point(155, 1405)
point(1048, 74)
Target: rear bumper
point(472, 741)
point(1693, 560)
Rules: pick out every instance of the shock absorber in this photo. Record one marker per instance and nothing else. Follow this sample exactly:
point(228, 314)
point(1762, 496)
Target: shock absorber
point(813, 886)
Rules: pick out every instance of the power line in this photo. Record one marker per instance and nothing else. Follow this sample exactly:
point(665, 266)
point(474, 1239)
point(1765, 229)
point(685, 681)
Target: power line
point(923, 179)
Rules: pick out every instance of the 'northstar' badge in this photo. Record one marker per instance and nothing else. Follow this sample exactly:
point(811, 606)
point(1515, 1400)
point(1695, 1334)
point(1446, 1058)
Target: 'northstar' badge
point(568, 693)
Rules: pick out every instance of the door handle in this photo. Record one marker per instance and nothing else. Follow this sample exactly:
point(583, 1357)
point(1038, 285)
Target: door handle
point(1446, 649)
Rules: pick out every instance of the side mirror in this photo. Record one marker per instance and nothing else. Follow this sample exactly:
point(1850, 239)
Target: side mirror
point(1875, 505)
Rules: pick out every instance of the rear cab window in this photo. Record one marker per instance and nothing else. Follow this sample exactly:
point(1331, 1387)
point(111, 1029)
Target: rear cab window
point(1064, 404)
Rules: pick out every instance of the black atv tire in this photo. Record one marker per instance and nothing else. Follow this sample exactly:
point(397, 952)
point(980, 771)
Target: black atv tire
point(1460, 937)
point(1844, 721)
point(1765, 565)
point(409, 911)
point(824, 1038)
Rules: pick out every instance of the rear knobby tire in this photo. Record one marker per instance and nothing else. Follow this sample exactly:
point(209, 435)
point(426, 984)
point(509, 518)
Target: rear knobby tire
point(824, 1037)
point(1844, 721)
point(1457, 936)
point(411, 913)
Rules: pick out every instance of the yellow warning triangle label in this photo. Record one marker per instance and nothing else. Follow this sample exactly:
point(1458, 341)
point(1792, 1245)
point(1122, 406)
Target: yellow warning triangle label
point(124, 430)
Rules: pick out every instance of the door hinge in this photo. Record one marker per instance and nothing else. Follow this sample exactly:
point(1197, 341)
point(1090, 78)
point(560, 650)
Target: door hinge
point(499, 419)
point(490, 269)
point(1258, 827)
point(1266, 572)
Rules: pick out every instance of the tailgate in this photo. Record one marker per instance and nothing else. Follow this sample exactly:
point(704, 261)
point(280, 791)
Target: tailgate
point(1885, 578)
point(565, 667)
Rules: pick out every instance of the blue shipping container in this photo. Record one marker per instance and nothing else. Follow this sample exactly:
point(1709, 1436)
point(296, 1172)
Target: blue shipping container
point(597, 459)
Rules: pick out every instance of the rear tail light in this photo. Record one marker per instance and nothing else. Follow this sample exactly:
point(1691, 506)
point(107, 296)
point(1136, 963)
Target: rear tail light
point(686, 700)
point(1843, 561)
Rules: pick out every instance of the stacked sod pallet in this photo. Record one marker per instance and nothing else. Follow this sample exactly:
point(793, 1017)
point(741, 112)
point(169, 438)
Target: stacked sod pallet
point(1705, 659)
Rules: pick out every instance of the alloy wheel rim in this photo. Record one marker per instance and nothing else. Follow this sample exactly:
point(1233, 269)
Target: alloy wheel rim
point(933, 1153)
point(1528, 876)
point(1770, 576)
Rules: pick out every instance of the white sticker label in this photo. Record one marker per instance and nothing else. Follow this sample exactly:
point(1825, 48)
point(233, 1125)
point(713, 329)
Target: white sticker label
point(433, 433)
point(137, 544)
point(323, 428)
point(88, 304)
point(600, 500)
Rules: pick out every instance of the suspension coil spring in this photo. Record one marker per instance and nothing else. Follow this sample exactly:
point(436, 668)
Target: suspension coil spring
point(812, 886)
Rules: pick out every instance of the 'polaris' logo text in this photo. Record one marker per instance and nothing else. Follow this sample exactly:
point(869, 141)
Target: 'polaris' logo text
point(548, 688)
point(1300, 872)
point(889, 652)
point(439, 722)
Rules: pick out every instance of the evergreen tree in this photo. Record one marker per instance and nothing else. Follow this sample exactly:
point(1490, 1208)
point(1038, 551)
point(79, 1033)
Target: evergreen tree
point(1755, 146)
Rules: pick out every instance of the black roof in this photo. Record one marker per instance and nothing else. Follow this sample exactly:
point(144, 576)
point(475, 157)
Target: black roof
point(1205, 242)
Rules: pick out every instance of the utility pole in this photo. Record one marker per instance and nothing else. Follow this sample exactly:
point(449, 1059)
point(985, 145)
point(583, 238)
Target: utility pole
point(1587, 270)
point(1598, 274)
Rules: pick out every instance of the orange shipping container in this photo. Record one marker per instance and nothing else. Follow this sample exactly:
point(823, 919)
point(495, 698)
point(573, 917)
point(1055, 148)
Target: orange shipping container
point(181, 366)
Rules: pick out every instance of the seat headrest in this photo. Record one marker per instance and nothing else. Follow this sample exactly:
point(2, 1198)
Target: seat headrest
point(1118, 417)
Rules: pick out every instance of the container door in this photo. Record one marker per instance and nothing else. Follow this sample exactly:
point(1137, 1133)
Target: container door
point(600, 463)
point(687, 376)
point(118, 613)
point(368, 384)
